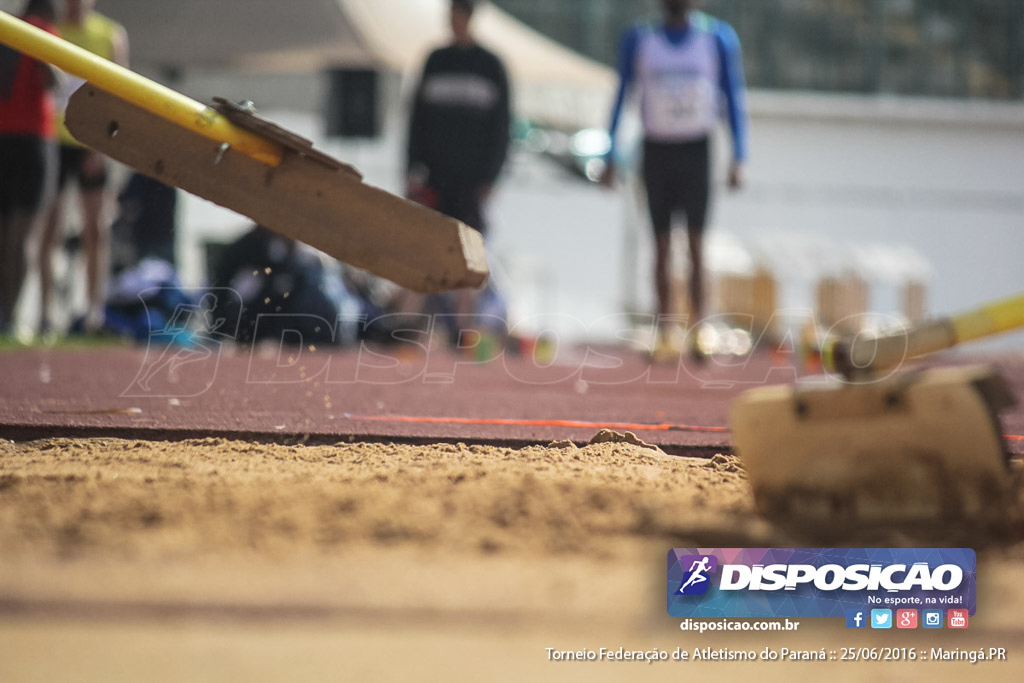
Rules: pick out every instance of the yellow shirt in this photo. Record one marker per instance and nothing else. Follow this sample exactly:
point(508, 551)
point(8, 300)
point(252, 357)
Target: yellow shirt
point(98, 35)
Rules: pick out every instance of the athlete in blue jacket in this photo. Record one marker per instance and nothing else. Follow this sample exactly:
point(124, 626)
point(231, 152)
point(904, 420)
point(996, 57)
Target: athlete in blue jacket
point(688, 73)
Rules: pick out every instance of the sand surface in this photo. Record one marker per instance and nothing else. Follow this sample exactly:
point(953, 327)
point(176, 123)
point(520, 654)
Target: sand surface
point(227, 560)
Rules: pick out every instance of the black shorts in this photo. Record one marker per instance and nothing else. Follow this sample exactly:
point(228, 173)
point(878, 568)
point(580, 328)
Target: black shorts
point(677, 176)
point(26, 166)
point(460, 200)
point(71, 160)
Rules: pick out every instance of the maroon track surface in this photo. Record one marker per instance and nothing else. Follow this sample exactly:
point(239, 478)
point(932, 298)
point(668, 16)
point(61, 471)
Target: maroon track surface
point(391, 394)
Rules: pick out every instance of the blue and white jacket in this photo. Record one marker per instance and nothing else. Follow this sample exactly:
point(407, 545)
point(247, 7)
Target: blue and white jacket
point(688, 79)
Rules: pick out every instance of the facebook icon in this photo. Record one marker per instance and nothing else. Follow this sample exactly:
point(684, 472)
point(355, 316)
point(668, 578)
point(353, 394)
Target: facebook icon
point(856, 618)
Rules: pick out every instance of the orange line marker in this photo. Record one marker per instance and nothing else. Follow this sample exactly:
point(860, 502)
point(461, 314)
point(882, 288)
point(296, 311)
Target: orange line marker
point(513, 422)
point(576, 424)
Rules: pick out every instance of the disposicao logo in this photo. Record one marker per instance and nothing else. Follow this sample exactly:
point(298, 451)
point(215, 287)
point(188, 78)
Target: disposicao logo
point(819, 582)
point(697, 579)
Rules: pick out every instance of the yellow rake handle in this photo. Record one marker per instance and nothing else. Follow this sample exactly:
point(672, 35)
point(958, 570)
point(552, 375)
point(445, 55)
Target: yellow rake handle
point(999, 316)
point(133, 88)
point(861, 356)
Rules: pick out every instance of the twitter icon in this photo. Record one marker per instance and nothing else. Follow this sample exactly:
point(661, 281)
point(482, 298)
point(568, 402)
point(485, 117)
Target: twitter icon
point(881, 618)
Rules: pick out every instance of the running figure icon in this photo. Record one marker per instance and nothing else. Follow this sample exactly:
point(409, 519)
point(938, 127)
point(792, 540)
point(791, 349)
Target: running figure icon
point(698, 573)
point(197, 324)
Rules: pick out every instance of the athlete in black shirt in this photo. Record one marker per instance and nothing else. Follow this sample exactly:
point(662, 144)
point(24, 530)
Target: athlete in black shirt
point(459, 128)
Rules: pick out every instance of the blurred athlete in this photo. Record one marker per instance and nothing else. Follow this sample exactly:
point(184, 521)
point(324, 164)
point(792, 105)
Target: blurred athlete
point(27, 155)
point(459, 128)
point(687, 70)
point(88, 29)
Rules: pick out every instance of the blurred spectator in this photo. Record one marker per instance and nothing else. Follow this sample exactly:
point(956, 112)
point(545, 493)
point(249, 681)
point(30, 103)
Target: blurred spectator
point(87, 28)
point(27, 155)
point(688, 70)
point(146, 223)
point(459, 128)
point(286, 292)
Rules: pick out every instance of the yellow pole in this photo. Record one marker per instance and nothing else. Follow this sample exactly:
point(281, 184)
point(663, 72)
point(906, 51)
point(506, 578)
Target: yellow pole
point(133, 88)
point(859, 355)
point(998, 316)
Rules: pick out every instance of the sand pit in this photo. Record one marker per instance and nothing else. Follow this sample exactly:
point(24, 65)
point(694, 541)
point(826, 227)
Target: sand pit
point(215, 559)
point(76, 499)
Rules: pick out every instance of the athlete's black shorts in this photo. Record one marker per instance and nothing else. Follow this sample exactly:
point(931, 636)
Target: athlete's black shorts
point(71, 160)
point(677, 176)
point(460, 199)
point(25, 166)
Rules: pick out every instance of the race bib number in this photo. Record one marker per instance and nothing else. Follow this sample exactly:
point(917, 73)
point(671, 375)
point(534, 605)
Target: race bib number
point(680, 105)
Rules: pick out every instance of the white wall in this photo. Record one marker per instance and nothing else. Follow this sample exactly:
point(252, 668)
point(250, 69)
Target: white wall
point(945, 178)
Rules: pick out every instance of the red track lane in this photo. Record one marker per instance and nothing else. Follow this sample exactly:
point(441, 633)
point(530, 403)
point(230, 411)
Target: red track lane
point(389, 394)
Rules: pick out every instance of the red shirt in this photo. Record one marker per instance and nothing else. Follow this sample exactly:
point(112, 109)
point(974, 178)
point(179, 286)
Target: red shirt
point(30, 109)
